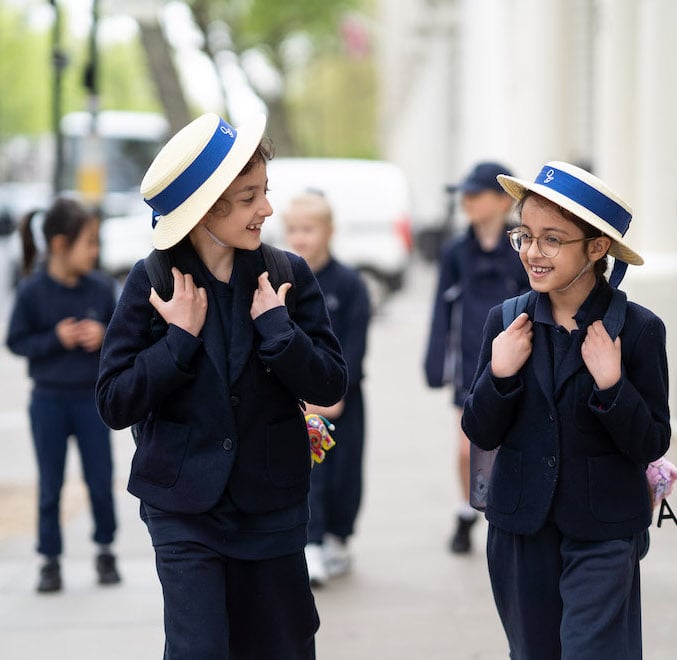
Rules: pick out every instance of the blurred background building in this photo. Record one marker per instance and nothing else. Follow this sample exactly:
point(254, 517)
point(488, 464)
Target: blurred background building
point(429, 85)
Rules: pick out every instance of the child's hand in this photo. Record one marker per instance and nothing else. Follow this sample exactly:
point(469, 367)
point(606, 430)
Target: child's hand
point(187, 308)
point(602, 356)
point(265, 297)
point(512, 347)
point(67, 332)
point(330, 412)
point(90, 334)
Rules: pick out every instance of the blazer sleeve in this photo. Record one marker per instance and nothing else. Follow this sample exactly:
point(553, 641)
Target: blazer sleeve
point(489, 409)
point(449, 275)
point(303, 352)
point(136, 373)
point(638, 416)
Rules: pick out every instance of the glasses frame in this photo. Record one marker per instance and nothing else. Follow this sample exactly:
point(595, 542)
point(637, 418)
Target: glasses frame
point(515, 230)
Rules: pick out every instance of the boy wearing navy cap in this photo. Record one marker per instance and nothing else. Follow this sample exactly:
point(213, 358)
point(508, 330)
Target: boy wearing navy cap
point(477, 270)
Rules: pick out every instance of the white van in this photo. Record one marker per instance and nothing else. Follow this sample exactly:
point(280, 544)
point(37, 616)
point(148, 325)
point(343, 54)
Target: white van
point(371, 206)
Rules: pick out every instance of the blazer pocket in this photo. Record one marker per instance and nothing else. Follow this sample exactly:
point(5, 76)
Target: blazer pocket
point(161, 451)
point(288, 452)
point(505, 489)
point(618, 489)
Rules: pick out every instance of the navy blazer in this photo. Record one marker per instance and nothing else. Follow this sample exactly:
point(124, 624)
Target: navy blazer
point(208, 420)
point(568, 452)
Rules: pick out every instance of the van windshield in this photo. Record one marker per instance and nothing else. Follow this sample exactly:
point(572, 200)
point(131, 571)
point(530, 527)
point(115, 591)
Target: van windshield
point(125, 160)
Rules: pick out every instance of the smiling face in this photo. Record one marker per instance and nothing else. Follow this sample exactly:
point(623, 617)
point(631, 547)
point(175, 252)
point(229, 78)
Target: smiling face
point(236, 218)
point(541, 218)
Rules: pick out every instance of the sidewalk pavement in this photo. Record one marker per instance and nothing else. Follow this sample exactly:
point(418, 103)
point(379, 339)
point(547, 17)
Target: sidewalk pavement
point(407, 598)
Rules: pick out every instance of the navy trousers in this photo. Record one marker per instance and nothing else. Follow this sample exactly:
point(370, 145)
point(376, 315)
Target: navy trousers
point(336, 483)
point(218, 608)
point(55, 416)
point(561, 598)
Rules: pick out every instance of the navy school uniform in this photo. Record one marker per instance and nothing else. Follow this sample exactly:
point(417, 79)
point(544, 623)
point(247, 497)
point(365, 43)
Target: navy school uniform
point(222, 464)
point(470, 282)
point(568, 500)
point(62, 399)
point(336, 483)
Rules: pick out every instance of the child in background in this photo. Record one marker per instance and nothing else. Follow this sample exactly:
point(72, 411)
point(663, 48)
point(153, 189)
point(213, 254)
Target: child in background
point(477, 270)
point(212, 380)
point(58, 321)
point(336, 483)
point(576, 416)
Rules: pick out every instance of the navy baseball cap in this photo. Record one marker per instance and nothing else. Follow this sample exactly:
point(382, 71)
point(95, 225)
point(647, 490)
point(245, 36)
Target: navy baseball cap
point(483, 177)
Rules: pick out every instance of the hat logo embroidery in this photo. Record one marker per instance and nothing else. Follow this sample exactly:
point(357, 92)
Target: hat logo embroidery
point(549, 176)
point(227, 130)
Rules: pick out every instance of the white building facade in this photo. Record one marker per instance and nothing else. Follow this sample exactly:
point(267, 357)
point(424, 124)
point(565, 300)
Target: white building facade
point(527, 81)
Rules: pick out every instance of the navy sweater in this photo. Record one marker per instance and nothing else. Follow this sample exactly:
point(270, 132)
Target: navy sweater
point(41, 302)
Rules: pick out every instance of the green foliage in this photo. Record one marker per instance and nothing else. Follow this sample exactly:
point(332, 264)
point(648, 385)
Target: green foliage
point(333, 108)
point(27, 75)
point(24, 83)
point(125, 82)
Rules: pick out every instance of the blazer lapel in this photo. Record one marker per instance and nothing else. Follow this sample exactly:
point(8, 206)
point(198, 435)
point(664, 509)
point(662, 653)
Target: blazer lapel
point(541, 361)
point(246, 269)
point(573, 360)
point(212, 333)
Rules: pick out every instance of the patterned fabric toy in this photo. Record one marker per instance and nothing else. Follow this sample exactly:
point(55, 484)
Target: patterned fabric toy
point(661, 475)
point(318, 433)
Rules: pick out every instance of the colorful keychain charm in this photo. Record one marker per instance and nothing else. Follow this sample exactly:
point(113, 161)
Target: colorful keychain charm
point(318, 433)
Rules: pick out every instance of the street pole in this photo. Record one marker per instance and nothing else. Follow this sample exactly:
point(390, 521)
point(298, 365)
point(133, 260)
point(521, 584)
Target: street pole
point(59, 63)
point(91, 169)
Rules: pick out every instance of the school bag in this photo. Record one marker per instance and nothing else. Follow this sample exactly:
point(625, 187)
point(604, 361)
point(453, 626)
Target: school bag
point(481, 461)
point(159, 268)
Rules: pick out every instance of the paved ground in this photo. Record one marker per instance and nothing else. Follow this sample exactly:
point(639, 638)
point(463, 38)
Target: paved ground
point(407, 598)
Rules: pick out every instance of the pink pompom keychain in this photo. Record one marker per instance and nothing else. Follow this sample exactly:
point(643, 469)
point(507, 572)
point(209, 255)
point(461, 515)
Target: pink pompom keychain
point(661, 475)
point(318, 433)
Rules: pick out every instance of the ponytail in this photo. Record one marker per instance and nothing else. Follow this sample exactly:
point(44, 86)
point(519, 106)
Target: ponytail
point(28, 243)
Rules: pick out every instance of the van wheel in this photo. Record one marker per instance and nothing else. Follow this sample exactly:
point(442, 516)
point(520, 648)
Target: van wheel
point(377, 288)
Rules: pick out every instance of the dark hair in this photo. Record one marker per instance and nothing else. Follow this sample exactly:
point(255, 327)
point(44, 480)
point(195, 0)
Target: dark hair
point(588, 230)
point(262, 153)
point(65, 217)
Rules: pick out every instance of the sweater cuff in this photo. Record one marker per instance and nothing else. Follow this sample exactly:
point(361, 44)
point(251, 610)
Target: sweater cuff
point(182, 346)
point(275, 328)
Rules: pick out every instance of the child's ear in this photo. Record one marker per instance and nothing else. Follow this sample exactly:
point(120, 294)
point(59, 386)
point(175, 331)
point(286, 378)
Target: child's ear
point(58, 244)
point(598, 247)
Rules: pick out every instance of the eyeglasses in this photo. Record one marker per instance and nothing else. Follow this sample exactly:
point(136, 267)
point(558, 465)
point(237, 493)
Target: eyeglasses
point(548, 244)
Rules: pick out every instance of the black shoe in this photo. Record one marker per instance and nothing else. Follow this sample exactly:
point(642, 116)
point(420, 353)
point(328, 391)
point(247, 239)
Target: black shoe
point(105, 567)
point(460, 541)
point(50, 577)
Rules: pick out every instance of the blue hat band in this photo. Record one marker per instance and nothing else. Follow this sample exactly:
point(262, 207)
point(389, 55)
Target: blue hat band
point(587, 196)
point(179, 190)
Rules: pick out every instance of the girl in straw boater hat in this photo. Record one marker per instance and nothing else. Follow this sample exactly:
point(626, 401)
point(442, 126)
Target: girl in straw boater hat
point(211, 381)
point(576, 415)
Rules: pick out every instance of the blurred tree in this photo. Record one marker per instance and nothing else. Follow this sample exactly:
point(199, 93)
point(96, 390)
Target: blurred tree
point(273, 31)
point(24, 76)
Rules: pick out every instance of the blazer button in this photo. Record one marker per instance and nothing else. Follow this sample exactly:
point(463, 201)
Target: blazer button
point(234, 400)
point(552, 461)
point(227, 444)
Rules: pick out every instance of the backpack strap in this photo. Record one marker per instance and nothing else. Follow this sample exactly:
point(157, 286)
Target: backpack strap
point(614, 317)
point(513, 307)
point(159, 268)
point(280, 271)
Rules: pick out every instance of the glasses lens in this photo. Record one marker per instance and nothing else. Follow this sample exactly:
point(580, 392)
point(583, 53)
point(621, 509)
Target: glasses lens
point(516, 240)
point(548, 245)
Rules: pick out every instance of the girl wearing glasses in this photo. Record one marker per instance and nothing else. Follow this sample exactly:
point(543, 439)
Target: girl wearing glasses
point(577, 417)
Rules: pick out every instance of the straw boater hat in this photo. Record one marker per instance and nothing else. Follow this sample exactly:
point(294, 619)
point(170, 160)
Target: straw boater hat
point(589, 199)
point(192, 170)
